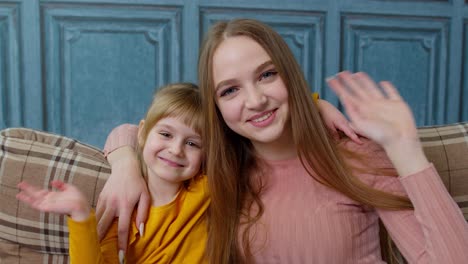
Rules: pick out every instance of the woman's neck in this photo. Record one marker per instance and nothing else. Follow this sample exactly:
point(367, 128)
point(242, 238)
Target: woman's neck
point(281, 149)
point(162, 191)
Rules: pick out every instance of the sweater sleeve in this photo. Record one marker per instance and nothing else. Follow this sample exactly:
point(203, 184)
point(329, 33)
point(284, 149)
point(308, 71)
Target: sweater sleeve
point(85, 246)
point(435, 231)
point(123, 135)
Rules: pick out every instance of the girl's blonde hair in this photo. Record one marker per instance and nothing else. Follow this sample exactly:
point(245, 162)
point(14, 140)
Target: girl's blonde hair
point(180, 100)
point(231, 157)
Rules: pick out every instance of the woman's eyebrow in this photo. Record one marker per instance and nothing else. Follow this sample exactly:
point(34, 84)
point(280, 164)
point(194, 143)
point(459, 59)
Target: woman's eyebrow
point(222, 83)
point(257, 71)
point(262, 66)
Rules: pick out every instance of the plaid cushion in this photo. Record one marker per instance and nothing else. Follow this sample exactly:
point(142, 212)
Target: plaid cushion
point(447, 148)
point(39, 157)
point(14, 253)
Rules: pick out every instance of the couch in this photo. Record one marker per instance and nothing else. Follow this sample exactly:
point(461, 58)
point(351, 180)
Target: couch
point(28, 236)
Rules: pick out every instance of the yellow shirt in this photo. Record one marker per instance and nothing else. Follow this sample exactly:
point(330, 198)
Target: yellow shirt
point(174, 233)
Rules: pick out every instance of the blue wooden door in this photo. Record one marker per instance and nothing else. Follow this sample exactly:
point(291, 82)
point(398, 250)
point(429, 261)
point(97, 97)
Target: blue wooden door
point(80, 67)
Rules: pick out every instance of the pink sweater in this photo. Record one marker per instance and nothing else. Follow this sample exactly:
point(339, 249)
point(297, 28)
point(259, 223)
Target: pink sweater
point(306, 222)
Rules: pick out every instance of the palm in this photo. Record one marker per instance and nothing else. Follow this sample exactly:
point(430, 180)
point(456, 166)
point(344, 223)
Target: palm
point(381, 117)
point(63, 201)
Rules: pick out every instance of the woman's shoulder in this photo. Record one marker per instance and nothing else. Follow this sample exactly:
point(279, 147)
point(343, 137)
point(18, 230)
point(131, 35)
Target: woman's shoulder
point(371, 165)
point(367, 146)
point(368, 154)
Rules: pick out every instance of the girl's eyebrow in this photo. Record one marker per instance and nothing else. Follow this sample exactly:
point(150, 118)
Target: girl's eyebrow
point(257, 71)
point(169, 127)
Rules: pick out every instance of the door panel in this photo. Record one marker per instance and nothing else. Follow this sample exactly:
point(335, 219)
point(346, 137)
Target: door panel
point(103, 64)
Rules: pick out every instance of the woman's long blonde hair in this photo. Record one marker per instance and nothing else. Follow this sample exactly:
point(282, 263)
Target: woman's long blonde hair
point(231, 157)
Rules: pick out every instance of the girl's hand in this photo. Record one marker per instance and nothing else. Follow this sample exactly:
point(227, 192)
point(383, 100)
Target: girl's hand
point(335, 120)
point(382, 116)
point(67, 200)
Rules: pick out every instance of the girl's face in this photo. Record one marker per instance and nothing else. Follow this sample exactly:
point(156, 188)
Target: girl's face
point(173, 151)
point(250, 93)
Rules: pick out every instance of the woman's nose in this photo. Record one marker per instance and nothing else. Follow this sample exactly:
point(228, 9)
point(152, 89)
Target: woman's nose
point(255, 98)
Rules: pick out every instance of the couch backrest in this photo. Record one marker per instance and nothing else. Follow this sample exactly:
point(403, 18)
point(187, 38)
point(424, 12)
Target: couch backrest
point(39, 157)
point(447, 148)
point(28, 236)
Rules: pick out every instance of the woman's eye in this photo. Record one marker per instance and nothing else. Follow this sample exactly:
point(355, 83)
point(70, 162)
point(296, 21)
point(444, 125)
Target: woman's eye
point(228, 91)
point(268, 74)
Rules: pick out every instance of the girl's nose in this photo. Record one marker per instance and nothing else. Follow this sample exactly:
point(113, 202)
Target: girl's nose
point(176, 148)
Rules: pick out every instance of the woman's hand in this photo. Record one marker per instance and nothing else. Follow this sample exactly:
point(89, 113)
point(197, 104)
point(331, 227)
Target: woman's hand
point(335, 120)
point(122, 191)
point(67, 200)
point(382, 116)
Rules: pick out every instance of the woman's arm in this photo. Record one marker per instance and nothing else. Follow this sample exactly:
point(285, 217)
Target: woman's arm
point(435, 231)
point(125, 186)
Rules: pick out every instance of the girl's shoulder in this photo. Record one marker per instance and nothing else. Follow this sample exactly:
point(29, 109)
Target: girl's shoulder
point(199, 184)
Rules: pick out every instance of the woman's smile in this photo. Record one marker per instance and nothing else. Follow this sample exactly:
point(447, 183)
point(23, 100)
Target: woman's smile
point(264, 119)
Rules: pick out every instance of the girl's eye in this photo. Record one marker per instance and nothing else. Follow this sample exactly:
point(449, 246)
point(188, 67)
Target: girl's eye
point(268, 74)
point(228, 91)
point(164, 134)
point(193, 144)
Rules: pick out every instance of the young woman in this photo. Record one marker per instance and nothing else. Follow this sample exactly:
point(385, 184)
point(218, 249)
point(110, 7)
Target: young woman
point(171, 155)
point(284, 191)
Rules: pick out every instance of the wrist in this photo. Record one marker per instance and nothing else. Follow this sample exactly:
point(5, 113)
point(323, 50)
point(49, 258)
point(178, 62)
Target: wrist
point(121, 154)
point(407, 156)
point(80, 212)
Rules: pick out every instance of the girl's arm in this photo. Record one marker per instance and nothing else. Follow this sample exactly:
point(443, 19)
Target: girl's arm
point(68, 200)
point(435, 231)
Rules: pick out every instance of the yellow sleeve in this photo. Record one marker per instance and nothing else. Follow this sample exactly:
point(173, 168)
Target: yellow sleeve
point(315, 97)
point(84, 242)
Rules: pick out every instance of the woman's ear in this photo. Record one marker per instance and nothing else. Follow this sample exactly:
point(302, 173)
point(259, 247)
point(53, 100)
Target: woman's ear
point(141, 128)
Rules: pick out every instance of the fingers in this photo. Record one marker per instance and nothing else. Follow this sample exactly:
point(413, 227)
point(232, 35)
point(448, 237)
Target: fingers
point(350, 132)
point(359, 86)
point(353, 83)
point(25, 198)
point(105, 218)
point(390, 90)
point(368, 85)
point(347, 99)
point(123, 227)
point(29, 193)
point(59, 185)
point(142, 211)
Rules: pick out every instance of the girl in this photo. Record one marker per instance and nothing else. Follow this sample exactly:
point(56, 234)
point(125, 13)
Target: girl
point(171, 154)
point(283, 191)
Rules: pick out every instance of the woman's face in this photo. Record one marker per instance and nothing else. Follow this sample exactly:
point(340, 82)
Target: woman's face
point(250, 93)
